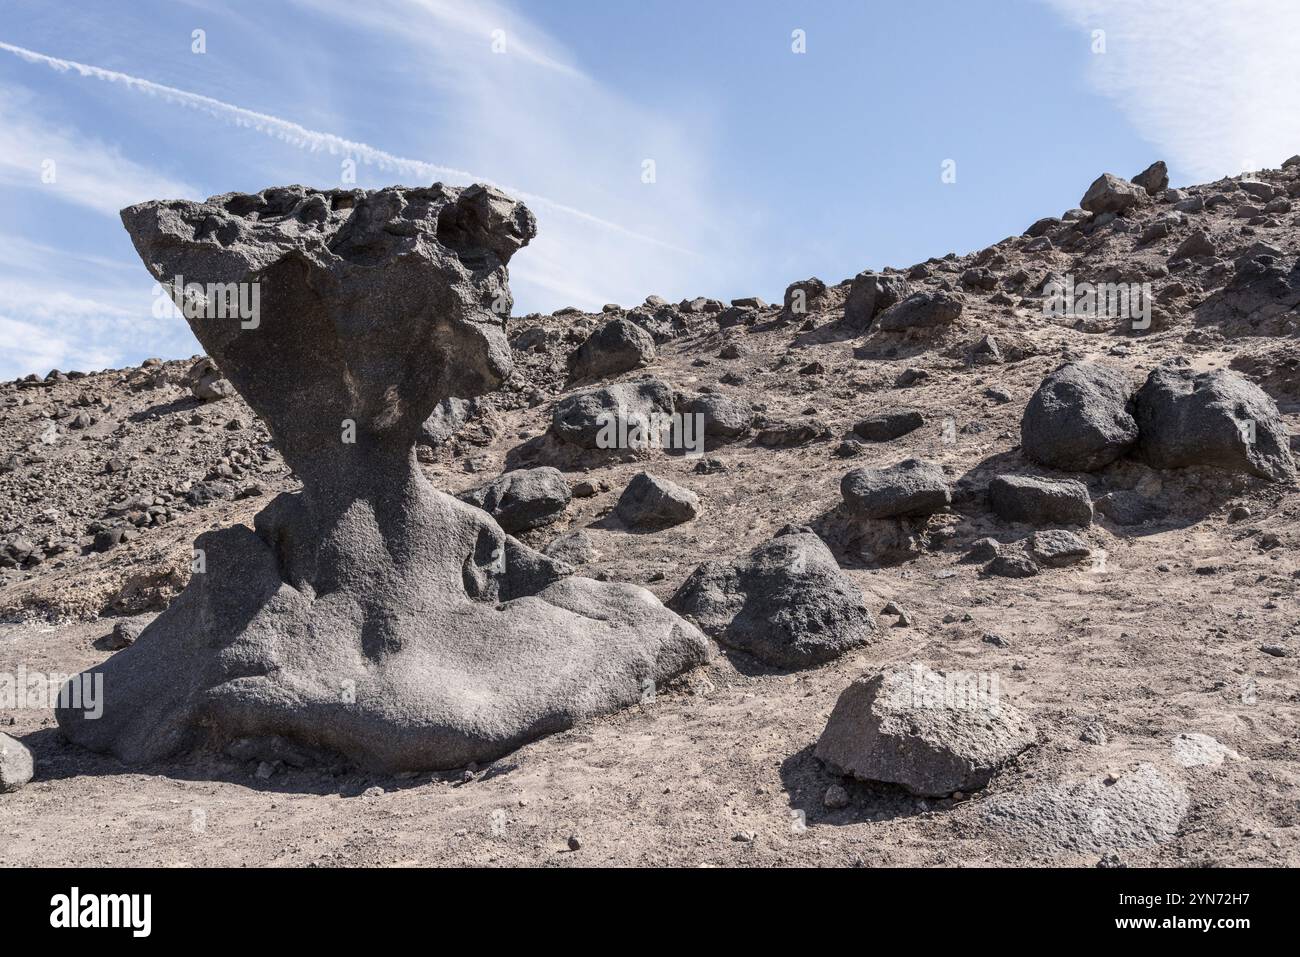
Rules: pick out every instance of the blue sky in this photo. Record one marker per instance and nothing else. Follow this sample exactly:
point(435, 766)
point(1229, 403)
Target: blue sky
point(769, 165)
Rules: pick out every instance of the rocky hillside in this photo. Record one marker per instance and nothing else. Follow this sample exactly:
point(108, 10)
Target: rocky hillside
point(964, 462)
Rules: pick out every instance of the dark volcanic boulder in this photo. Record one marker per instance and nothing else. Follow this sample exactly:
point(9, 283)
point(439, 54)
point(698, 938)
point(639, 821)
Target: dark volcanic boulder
point(522, 499)
point(638, 412)
point(786, 603)
point(930, 731)
point(1154, 179)
point(650, 503)
point(1079, 419)
point(1039, 501)
point(1110, 194)
point(1216, 419)
point(724, 417)
point(369, 618)
point(884, 426)
point(206, 381)
point(921, 310)
point(617, 346)
point(870, 294)
point(803, 297)
point(909, 488)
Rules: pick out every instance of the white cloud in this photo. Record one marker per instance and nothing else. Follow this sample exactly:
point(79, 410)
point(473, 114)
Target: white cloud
point(1213, 83)
point(64, 164)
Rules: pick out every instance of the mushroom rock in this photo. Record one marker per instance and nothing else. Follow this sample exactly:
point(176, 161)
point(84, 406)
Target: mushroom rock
point(369, 617)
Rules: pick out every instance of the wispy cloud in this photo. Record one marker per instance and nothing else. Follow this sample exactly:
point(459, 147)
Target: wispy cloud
point(1213, 83)
point(314, 140)
point(72, 167)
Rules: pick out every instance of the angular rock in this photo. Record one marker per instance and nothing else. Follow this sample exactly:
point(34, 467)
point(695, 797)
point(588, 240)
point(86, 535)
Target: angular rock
point(1197, 244)
point(885, 426)
point(921, 310)
point(1110, 194)
point(369, 617)
point(16, 764)
point(911, 487)
point(522, 499)
point(448, 417)
point(1217, 419)
point(1128, 508)
point(784, 435)
point(206, 382)
point(650, 503)
point(1154, 179)
point(1057, 548)
point(1039, 501)
point(617, 346)
point(1012, 565)
point(803, 297)
point(1079, 419)
point(1141, 808)
point(724, 417)
point(786, 603)
point(919, 729)
point(870, 294)
point(638, 411)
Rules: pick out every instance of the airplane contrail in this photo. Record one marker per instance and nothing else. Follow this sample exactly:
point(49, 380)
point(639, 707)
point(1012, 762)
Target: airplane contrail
point(314, 140)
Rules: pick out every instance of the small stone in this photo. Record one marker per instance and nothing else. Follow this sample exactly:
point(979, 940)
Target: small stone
point(16, 764)
point(836, 797)
point(574, 842)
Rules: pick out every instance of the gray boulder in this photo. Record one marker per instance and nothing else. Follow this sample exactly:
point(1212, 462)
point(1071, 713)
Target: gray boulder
point(724, 417)
point(639, 412)
point(1057, 548)
point(206, 382)
point(617, 346)
point(786, 603)
point(1110, 194)
point(369, 617)
point(1039, 501)
point(522, 499)
point(1079, 419)
point(1197, 244)
point(16, 764)
point(921, 310)
point(870, 294)
point(803, 297)
point(1154, 179)
point(650, 503)
point(885, 426)
point(928, 731)
point(911, 487)
point(1217, 419)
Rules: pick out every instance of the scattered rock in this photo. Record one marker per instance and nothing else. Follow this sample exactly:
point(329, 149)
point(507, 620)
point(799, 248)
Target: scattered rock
point(1110, 194)
point(885, 426)
point(1141, 808)
point(1213, 418)
point(921, 310)
point(1079, 419)
point(919, 728)
point(911, 487)
point(786, 603)
point(1039, 501)
point(522, 499)
point(618, 346)
point(1154, 179)
point(650, 503)
point(16, 764)
point(1057, 548)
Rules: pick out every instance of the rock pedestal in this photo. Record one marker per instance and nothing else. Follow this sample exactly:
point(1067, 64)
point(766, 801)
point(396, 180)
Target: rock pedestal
point(369, 616)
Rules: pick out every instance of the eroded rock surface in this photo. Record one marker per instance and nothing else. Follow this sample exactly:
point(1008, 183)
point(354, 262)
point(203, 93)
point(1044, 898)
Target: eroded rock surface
point(370, 615)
